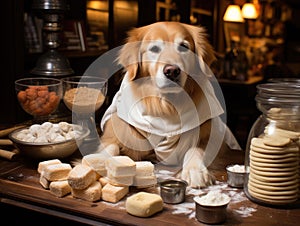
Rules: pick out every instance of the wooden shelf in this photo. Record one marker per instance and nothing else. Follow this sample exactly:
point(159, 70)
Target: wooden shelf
point(79, 54)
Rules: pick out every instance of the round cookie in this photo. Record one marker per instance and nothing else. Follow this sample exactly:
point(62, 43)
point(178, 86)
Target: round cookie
point(272, 201)
point(276, 141)
point(275, 160)
point(283, 133)
point(272, 196)
point(274, 169)
point(259, 143)
point(273, 156)
point(274, 183)
point(271, 187)
point(272, 173)
point(275, 150)
point(270, 165)
point(274, 179)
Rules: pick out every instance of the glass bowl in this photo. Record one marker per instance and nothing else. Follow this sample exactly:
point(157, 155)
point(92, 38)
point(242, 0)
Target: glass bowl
point(39, 96)
point(84, 95)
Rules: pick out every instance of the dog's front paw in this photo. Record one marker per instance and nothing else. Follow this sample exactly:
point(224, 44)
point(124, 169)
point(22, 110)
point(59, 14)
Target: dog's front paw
point(109, 149)
point(194, 171)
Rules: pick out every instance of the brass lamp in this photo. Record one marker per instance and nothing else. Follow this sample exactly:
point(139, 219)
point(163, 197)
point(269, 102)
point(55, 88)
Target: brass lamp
point(233, 14)
point(249, 11)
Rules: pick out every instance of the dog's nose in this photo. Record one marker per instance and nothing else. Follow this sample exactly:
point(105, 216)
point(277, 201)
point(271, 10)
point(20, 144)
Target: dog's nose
point(172, 72)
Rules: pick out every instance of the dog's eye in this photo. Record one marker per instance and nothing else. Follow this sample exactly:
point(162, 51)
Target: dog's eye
point(155, 49)
point(183, 47)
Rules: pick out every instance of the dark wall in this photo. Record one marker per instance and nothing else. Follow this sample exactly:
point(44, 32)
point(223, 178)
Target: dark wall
point(12, 56)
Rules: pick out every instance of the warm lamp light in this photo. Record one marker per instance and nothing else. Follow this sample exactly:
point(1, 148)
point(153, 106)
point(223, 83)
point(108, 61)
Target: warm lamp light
point(249, 11)
point(233, 14)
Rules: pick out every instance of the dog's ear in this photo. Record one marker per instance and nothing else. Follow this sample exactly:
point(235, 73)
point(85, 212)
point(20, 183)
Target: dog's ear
point(129, 55)
point(203, 48)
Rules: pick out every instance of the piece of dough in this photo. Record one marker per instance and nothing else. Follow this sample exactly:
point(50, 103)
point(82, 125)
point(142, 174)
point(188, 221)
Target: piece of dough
point(92, 193)
point(111, 193)
point(81, 176)
point(56, 172)
point(144, 204)
point(119, 180)
point(103, 181)
point(120, 166)
point(96, 161)
point(60, 188)
point(144, 181)
point(44, 182)
point(45, 163)
point(144, 168)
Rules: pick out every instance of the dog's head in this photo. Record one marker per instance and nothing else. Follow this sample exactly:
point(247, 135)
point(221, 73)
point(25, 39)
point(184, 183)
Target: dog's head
point(167, 51)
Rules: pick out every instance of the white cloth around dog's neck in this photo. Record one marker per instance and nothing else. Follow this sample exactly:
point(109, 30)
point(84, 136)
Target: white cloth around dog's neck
point(129, 107)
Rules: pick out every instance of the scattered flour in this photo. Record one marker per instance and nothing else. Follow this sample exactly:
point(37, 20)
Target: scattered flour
point(164, 174)
point(245, 211)
point(194, 192)
point(188, 208)
point(120, 204)
point(237, 197)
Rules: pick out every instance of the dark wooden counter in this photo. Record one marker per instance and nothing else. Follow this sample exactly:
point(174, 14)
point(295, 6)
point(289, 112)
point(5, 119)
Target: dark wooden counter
point(19, 187)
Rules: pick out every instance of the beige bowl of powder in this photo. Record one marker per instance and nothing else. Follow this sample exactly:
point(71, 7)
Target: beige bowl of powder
point(84, 95)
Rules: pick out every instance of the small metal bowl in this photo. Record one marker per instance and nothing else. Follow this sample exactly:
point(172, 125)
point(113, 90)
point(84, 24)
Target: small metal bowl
point(211, 214)
point(173, 191)
point(43, 151)
point(235, 178)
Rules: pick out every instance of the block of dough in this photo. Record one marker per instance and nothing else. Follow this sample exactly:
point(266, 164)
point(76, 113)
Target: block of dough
point(119, 180)
point(96, 162)
point(103, 181)
point(56, 172)
point(144, 168)
point(92, 193)
point(44, 182)
point(81, 176)
point(120, 166)
point(45, 163)
point(60, 188)
point(111, 193)
point(144, 204)
point(144, 181)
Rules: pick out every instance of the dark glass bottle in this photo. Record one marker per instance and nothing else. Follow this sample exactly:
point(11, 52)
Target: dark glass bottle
point(236, 63)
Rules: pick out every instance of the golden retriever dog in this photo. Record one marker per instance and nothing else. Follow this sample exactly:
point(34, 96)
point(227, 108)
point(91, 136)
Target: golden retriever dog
point(166, 109)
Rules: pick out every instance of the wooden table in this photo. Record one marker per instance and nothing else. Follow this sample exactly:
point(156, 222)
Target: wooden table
point(19, 187)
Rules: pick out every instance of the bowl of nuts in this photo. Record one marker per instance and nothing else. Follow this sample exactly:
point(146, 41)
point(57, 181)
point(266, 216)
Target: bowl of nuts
point(49, 140)
point(39, 96)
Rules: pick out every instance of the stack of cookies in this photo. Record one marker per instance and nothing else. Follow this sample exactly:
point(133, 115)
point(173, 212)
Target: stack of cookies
point(274, 167)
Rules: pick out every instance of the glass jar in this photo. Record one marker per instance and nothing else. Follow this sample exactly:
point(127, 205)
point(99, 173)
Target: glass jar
point(272, 150)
